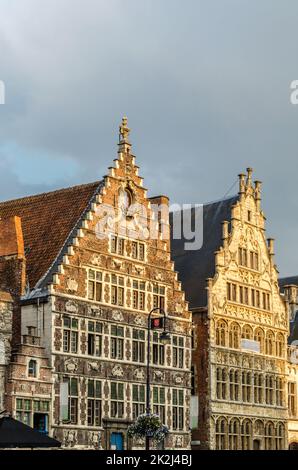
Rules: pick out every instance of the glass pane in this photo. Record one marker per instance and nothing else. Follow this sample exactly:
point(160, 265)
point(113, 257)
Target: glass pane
point(114, 330)
point(19, 404)
point(91, 274)
point(74, 387)
point(120, 391)
point(162, 395)
point(66, 322)
point(98, 389)
point(120, 331)
point(90, 388)
point(135, 393)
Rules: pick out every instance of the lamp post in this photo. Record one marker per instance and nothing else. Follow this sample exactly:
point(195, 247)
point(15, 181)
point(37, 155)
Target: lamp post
point(164, 337)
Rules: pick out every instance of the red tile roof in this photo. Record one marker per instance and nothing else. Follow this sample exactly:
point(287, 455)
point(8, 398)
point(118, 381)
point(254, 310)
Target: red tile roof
point(47, 220)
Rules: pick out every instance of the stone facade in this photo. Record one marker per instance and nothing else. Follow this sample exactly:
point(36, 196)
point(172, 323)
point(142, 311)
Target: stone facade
point(29, 383)
point(90, 310)
point(241, 372)
point(6, 309)
point(292, 397)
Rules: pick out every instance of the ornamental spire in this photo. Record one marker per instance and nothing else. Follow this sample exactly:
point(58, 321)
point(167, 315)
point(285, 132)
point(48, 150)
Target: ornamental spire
point(124, 132)
point(124, 144)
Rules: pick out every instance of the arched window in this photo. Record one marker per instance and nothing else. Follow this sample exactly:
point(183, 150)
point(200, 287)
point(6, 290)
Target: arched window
point(221, 383)
point(32, 368)
point(247, 332)
point(246, 432)
point(280, 345)
point(221, 434)
point(234, 431)
point(221, 333)
point(246, 386)
point(269, 436)
point(279, 391)
point(269, 389)
point(234, 336)
point(280, 435)
point(234, 384)
point(269, 343)
point(258, 388)
point(259, 336)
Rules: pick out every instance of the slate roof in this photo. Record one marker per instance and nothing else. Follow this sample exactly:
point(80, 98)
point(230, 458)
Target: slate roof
point(47, 221)
point(14, 434)
point(194, 267)
point(294, 329)
point(286, 281)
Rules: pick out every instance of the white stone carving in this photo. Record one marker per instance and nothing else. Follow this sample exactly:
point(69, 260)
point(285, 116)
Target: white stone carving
point(117, 264)
point(94, 439)
point(71, 365)
point(139, 270)
point(178, 379)
point(139, 374)
point(139, 320)
point(178, 441)
point(72, 285)
point(117, 371)
point(70, 438)
point(71, 306)
point(96, 260)
point(158, 277)
point(179, 328)
point(94, 311)
point(94, 366)
point(179, 308)
point(159, 375)
point(117, 315)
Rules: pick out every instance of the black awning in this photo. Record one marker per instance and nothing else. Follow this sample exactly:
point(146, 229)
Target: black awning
point(14, 434)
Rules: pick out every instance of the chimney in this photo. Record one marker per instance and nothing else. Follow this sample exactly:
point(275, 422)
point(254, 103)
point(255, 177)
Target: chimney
point(11, 237)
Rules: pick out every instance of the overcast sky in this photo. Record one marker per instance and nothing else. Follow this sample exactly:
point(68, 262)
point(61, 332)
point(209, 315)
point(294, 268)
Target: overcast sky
point(205, 85)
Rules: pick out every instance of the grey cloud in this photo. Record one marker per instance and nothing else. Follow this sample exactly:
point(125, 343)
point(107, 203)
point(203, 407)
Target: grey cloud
point(205, 85)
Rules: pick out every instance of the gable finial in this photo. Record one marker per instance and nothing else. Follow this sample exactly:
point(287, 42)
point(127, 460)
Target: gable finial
point(124, 132)
point(249, 177)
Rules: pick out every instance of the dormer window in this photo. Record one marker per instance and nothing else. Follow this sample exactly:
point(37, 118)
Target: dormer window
point(249, 216)
point(32, 368)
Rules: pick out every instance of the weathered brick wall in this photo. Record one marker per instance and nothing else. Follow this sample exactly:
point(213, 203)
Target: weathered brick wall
point(6, 308)
point(200, 361)
point(13, 267)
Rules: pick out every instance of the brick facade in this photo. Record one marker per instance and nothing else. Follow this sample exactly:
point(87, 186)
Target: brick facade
point(89, 307)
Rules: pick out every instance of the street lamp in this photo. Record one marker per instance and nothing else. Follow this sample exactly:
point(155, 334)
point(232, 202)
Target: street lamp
point(165, 337)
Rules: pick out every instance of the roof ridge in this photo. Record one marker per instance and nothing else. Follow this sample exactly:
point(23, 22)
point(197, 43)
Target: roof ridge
point(210, 203)
point(227, 198)
point(55, 191)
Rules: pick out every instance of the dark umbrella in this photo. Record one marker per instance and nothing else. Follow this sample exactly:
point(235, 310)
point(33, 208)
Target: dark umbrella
point(15, 434)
